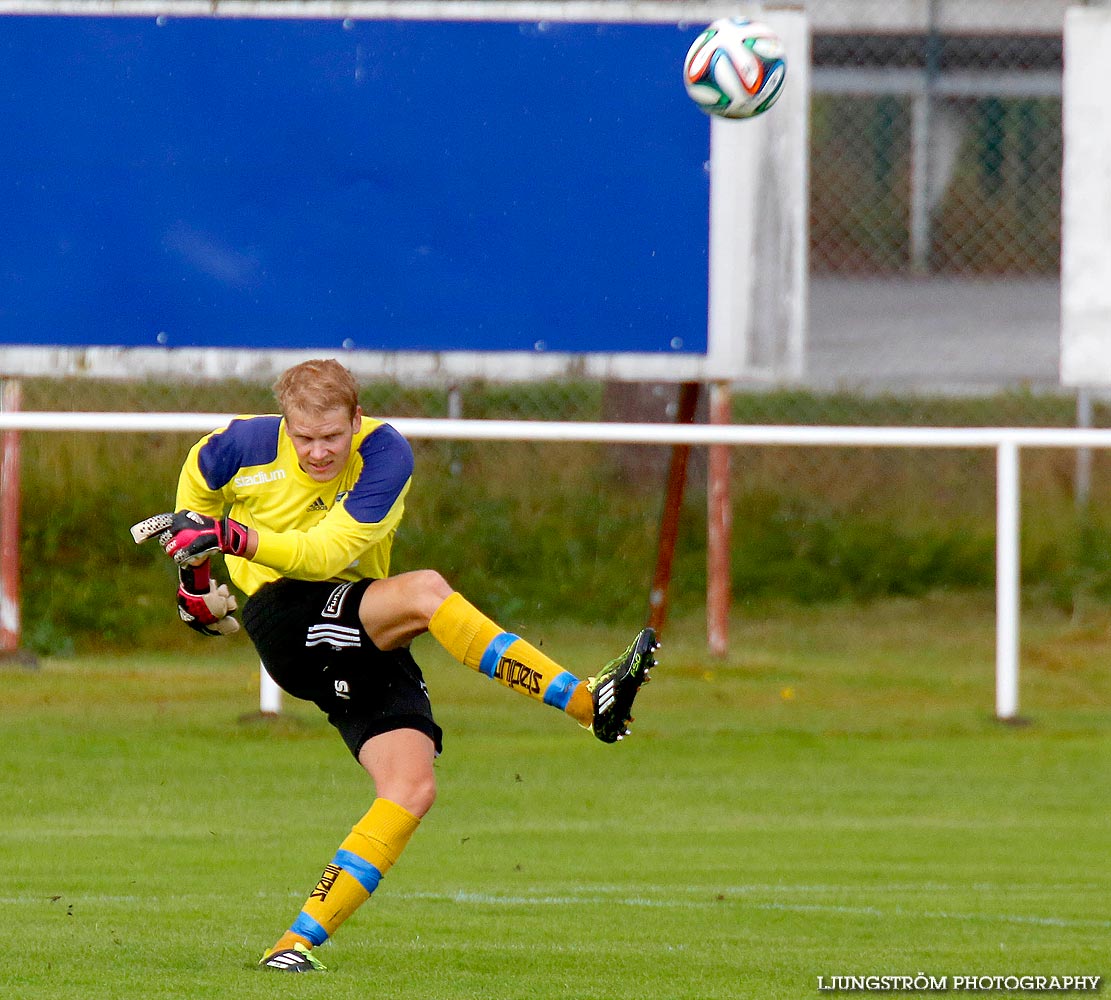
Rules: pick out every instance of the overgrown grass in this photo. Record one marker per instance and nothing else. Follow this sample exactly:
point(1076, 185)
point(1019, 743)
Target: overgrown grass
point(570, 530)
point(832, 798)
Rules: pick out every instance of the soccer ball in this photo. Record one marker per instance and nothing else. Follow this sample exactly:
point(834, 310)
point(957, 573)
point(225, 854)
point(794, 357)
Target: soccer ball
point(735, 68)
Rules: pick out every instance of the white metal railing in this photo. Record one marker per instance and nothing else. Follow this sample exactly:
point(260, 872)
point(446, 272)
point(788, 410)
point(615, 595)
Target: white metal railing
point(1006, 441)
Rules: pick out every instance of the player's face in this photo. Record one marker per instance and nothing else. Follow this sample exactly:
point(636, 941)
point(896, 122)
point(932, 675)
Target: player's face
point(323, 441)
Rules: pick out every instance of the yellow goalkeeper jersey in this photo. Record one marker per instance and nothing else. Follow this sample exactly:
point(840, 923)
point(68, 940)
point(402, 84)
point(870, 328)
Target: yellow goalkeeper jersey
point(339, 530)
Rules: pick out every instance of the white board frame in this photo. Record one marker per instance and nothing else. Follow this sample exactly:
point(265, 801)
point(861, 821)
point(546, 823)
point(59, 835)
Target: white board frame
point(1086, 201)
point(756, 324)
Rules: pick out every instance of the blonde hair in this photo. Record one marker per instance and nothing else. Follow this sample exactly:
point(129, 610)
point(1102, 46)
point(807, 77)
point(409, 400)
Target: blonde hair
point(315, 387)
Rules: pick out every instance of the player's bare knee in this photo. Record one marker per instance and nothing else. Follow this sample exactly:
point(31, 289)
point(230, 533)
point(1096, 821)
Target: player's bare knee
point(424, 795)
point(415, 794)
point(430, 590)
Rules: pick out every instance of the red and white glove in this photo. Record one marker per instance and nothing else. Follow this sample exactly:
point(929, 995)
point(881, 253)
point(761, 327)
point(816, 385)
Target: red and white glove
point(202, 605)
point(189, 537)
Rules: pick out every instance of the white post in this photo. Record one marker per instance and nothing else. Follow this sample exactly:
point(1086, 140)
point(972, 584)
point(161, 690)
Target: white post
point(758, 271)
point(1006, 581)
point(1085, 198)
point(1082, 490)
point(920, 194)
point(269, 694)
point(455, 412)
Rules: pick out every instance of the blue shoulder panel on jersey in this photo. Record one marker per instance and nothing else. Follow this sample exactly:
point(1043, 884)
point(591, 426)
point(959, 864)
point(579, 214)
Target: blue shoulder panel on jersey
point(387, 466)
point(247, 441)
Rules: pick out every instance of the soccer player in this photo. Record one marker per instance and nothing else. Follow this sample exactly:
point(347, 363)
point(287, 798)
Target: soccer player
point(304, 506)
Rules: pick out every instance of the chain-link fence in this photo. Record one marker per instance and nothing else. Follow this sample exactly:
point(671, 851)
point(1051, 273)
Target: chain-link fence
point(935, 215)
point(936, 152)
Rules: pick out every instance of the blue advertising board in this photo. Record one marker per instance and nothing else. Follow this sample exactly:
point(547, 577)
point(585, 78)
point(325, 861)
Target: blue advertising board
point(383, 185)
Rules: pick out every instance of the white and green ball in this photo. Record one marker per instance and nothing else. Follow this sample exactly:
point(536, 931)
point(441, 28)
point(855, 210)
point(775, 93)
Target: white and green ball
point(735, 68)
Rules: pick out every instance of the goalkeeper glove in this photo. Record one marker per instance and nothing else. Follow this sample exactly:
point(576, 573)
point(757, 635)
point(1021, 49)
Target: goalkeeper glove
point(192, 537)
point(202, 605)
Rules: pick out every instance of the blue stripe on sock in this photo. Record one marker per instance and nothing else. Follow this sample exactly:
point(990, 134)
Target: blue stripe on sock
point(309, 929)
point(361, 870)
point(492, 657)
point(560, 690)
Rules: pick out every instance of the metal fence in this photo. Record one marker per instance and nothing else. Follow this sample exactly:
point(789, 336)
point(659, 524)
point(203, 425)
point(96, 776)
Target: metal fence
point(935, 198)
point(936, 152)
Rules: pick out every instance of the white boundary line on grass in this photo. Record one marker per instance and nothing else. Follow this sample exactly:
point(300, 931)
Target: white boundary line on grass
point(487, 899)
point(740, 894)
point(571, 899)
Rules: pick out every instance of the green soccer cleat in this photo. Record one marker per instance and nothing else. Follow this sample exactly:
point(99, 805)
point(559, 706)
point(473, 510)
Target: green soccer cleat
point(617, 684)
point(295, 959)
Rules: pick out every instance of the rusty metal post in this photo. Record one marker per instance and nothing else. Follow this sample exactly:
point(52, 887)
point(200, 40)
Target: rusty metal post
point(10, 625)
point(673, 502)
point(719, 527)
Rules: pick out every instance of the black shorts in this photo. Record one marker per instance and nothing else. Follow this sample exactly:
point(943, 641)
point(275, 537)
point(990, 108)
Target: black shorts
point(311, 641)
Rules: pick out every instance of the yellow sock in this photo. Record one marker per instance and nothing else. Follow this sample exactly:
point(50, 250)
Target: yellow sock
point(580, 706)
point(381, 835)
point(476, 641)
point(369, 851)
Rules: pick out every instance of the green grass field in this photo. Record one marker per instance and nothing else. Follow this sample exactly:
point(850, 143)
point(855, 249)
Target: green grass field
point(833, 799)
